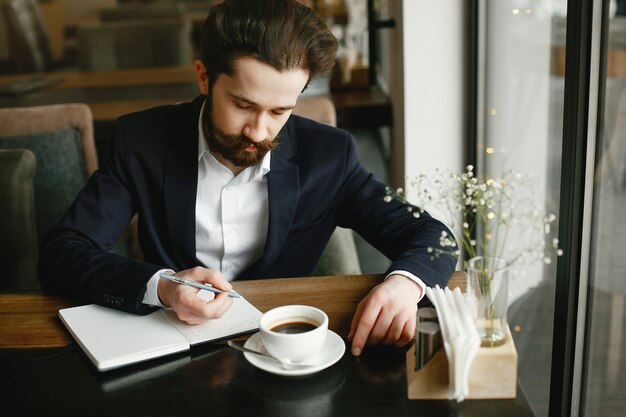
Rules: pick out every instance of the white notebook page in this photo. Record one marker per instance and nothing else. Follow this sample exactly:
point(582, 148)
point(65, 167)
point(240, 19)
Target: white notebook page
point(241, 317)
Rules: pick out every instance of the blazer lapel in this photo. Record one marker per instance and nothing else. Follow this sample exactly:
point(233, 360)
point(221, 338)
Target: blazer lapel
point(180, 187)
point(283, 186)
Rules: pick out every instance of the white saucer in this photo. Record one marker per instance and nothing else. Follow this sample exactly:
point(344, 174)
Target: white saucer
point(333, 349)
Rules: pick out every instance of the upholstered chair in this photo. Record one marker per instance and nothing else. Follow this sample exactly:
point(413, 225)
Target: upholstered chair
point(61, 138)
point(18, 246)
point(340, 256)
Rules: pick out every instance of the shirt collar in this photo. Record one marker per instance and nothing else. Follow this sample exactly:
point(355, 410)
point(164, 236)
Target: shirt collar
point(202, 143)
point(259, 170)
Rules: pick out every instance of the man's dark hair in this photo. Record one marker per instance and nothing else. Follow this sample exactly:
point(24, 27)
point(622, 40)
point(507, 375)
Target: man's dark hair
point(281, 33)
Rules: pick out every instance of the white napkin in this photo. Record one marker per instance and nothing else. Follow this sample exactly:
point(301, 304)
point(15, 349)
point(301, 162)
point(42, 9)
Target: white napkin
point(460, 338)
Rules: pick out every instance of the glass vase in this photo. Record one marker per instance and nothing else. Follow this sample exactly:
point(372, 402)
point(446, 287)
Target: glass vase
point(488, 288)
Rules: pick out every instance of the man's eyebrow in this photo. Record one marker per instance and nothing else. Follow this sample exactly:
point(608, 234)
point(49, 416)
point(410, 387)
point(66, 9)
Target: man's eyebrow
point(247, 100)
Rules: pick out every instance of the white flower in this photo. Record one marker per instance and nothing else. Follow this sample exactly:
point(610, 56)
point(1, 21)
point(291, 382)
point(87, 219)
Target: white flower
point(490, 210)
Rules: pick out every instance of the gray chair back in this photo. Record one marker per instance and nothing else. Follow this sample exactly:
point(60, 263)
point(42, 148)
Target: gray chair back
point(18, 246)
point(29, 42)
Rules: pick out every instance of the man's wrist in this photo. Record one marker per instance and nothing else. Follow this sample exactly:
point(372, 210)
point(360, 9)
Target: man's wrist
point(407, 275)
point(151, 296)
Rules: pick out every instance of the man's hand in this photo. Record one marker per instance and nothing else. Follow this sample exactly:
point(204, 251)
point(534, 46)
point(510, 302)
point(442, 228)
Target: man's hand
point(189, 307)
point(386, 314)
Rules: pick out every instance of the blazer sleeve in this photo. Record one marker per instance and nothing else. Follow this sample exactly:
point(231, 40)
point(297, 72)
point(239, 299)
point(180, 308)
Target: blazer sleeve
point(74, 259)
point(388, 226)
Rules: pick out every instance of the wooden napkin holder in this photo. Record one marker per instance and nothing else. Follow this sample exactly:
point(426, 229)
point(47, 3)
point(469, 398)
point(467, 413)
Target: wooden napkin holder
point(492, 375)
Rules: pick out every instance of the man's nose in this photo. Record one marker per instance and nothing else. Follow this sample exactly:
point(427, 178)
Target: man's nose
point(256, 128)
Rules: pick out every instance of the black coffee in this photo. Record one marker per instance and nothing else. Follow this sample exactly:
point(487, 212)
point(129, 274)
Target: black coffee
point(294, 327)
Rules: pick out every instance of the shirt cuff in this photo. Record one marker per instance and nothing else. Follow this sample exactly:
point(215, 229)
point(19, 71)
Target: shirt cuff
point(413, 278)
point(151, 297)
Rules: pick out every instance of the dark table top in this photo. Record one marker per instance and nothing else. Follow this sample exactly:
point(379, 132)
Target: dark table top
point(218, 381)
point(44, 373)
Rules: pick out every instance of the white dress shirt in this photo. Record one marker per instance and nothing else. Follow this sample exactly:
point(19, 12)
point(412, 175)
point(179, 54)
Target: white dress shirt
point(232, 215)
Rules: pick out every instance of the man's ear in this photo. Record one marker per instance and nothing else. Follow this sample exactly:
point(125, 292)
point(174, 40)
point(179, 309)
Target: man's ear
point(203, 80)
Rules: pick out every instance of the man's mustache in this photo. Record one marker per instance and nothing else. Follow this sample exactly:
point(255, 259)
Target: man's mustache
point(238, 142)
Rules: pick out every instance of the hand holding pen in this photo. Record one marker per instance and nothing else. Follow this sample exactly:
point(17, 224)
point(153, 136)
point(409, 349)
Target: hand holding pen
point(196, 284)
point(179, 292)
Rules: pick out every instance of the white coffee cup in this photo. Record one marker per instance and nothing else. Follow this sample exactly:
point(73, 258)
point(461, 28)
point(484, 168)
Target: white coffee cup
point(294, 333)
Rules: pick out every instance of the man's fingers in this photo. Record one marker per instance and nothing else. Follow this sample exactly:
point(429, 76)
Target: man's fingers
point(355, 319)
point(216, 279)
point(394, 331)
point(381, 327)
point(199, 316)
point(401, 331)
point(386, 314)
point(366, 322)
point(213, 309)
point(224, 306)
point(408, 333)
point(209, 276)
point(194, 310)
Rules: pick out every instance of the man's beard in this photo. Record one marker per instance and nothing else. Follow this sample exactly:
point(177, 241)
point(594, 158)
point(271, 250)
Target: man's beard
point(232, 147)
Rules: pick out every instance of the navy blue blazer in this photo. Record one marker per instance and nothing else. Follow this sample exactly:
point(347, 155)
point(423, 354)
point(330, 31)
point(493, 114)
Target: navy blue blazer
point(315, 184)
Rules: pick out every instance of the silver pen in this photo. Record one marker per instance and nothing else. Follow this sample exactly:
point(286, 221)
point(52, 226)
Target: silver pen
point(196, 284)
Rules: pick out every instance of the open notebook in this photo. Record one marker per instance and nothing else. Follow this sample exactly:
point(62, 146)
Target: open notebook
point(112, 338)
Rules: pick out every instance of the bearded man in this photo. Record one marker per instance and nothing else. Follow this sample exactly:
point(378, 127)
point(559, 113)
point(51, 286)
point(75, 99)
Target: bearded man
point(233, 186)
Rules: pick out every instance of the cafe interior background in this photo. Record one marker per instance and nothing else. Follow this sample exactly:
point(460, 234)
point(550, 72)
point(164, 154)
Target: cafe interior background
point(486, 83)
